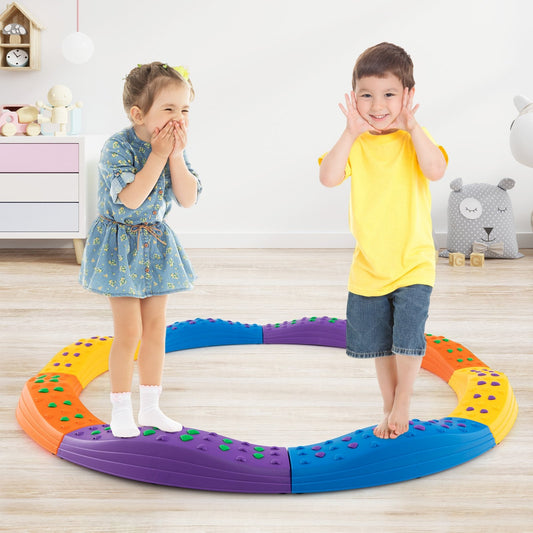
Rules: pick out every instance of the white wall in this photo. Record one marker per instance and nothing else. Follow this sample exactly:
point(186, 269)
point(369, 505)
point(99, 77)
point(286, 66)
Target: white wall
point(268, 76)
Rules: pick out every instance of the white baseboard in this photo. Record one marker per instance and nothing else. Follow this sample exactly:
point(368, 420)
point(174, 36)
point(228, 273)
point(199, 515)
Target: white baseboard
point(250, 240)
point(267, 240)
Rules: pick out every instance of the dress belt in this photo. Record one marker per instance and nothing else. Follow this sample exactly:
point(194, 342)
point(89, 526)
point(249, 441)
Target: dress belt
point(136, 228)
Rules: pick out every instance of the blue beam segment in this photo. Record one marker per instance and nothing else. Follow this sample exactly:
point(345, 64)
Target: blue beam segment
point(202, 332)
point(360, 459)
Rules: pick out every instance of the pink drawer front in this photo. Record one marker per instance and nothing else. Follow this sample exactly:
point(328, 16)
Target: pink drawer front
point(39, 157)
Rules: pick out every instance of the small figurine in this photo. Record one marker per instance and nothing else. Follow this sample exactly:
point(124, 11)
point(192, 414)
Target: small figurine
point(59, 98)
point(14, 31)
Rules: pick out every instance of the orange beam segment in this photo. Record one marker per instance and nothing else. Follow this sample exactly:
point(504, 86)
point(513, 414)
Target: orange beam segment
point(49, 408)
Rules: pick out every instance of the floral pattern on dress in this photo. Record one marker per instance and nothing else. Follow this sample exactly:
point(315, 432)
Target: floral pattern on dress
point(133, 252)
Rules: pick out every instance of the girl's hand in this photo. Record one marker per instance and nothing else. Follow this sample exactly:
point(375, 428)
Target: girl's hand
point(355, 123)
point(406, 119)
point(180, 138)
point(162, 141)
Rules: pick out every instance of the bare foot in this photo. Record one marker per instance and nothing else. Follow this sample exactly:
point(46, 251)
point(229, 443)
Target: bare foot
point(398, 421)
point(382, 430)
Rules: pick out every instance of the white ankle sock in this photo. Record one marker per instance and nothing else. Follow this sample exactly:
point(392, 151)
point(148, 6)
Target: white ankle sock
point(122, 421)
point(149, 412)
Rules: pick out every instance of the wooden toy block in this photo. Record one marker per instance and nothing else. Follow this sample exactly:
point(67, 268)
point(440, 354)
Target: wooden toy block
point(456, 259)
point(477, 260)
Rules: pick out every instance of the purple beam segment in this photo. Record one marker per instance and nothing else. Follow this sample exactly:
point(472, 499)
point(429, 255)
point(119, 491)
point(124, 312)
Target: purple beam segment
point(324, 331)
point(192, 459)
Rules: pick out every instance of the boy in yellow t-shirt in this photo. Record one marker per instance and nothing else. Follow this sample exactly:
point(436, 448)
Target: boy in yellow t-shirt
point(390, 159)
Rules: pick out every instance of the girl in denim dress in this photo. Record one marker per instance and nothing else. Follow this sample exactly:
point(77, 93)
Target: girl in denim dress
point(131, 255)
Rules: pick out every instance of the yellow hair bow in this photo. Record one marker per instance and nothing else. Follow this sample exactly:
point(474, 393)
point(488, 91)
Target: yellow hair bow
point(183, 71)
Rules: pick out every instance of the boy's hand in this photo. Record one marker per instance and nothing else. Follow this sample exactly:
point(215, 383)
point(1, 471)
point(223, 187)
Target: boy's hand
point(406, 119)
point(355, 123)
point(162, 141)
point(180, 138)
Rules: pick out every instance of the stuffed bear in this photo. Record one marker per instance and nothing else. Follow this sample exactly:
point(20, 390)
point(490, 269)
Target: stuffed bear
point(480, 220)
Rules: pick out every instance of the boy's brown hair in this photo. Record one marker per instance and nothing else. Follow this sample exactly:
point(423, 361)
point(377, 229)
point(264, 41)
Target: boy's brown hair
point(145, 81)
point(383, 59)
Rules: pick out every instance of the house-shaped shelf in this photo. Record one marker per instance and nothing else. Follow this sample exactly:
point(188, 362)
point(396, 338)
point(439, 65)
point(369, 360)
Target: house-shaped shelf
point(19, 30)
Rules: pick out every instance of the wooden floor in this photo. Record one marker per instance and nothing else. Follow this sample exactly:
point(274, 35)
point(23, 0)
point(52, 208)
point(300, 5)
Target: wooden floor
point(275, 395)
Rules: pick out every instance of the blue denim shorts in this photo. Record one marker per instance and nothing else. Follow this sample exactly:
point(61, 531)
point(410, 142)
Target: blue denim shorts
point(377, 326)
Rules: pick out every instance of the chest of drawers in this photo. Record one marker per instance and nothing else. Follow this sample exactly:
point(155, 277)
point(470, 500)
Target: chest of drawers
point(42, 189)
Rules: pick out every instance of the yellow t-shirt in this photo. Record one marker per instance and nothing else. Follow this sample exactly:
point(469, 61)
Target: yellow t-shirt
point(390, 215)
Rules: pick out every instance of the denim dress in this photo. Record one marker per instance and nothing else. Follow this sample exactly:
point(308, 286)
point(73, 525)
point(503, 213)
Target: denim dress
point(133, 252)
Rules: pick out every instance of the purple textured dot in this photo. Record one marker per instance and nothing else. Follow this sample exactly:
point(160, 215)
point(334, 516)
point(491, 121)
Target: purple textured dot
point(469, 408)
point(481, 382)
point(78, 343)
point(77, 354)
point(347, 438)
point(495, 375)
point(353, 445)
point(88, 344)
point(420, 427)
point(495, 384)
point(320, 455)
point(68, 364)
point(445, 426)
point(64, 353)
point(56, 364)
point(482, 374)
point(491, 397)
point(461, 425)
point(477, 395)
point(316, 448)
point(484, 411)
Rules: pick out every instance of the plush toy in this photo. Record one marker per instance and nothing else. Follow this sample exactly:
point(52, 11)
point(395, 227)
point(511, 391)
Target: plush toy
point(522, 131)
point(480, 220)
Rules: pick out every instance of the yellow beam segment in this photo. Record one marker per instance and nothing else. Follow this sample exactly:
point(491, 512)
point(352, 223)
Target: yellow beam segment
point(485, 396)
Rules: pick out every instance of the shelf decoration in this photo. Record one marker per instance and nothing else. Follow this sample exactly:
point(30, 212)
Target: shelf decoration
point(19, 39)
